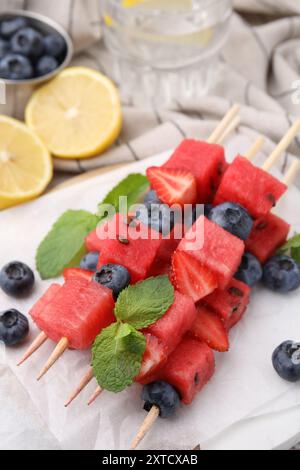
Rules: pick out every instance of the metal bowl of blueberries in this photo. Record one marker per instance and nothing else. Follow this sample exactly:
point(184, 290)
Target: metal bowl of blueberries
point(33, 48)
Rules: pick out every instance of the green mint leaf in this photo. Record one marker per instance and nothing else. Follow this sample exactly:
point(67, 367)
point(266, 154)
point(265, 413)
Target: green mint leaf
point(64, 245)
point(144, 303)
point(295, 253)
point(117, 356)
point(132, 187)
point(294, 242)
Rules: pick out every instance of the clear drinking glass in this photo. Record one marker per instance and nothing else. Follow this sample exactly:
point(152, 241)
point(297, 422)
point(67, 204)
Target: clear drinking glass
point(165, 50)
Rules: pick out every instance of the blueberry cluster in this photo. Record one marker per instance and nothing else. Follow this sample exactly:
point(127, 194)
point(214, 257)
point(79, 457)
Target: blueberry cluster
point(25, 52)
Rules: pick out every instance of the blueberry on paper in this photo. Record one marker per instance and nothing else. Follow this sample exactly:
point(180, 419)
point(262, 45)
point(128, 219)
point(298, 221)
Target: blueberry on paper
point(162, 395)
point(282, 274)
point(16, 279)
point(233, 218)
point(14, 327)
point(286, 361)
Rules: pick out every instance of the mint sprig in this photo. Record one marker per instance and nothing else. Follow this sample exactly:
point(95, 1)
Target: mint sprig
point(292, 247)
point(118, 351)
point(64, 245)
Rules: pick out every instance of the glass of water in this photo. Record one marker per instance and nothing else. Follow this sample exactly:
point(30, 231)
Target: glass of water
point(165, 51)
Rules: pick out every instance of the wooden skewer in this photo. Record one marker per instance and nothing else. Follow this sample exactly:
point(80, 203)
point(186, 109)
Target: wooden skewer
point(35, 345)
point(282, 146)
point(230, 129)
point(226, 121)
point(84, 382)
point(57, 353)
point(291, 173)
point(146, 426)
point(256, 147)
point(95, 395)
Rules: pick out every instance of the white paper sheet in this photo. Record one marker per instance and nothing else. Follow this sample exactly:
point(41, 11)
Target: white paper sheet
point(244, 385)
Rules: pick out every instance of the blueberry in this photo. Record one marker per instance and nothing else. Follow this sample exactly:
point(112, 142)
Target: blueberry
point(152, 198)
point(14, 327)
point(250, 271)
point(286, 361)
point(233, 218)
point(163, 395)
point(28, 42)
point(45, 65)
point(4, 48)
point(113, 276)
point(15, 67)
point(282, 274)
point(90, 261)
point(157, 216)
point(54, 45)
point(10, 27)
point(16, 279)
point(207, 209)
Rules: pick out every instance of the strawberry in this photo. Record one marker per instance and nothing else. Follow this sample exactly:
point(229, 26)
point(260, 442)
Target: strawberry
point(209, 328)
point(191, 277)
point(173, 186)
point(77, 273)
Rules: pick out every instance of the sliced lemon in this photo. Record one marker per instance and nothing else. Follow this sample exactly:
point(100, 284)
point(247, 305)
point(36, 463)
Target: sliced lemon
point(25, 163)
point(76, 115)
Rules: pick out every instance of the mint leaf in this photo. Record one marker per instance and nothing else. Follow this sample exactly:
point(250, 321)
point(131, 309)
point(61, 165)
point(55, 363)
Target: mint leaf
point(144, 303)
point(64, 245)
point(294, 242)
point(295, 254)
point(132, 187)
point(117, 356)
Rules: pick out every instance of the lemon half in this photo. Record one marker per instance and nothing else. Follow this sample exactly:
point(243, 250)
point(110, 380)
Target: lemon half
point(25, 163)
point(76, 115)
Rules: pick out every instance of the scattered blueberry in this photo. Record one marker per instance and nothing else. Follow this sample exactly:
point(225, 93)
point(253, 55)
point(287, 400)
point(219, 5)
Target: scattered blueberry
point(90, 261)
point(15, 67)
point(113, 276)
point(16, 279)
point(14, 327)
point(4, 48)
point(233, 218)
point(157, 216)
point(28, 42)
point(45, 65)
point(163, 395)
point(152, 198)
point(54, 45)
point(286, 361)
point(10, 27)
point(282, 274)
point(207, 209)
point(250, 271)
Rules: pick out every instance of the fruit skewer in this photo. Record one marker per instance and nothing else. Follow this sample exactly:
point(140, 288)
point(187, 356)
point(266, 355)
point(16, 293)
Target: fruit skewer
point(220, 132)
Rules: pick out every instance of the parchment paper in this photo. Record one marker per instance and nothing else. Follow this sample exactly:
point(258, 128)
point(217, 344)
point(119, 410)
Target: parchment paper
point(32, 414)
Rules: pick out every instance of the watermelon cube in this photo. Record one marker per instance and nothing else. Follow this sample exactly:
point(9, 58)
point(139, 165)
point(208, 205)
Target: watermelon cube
point(269, 233)
point(78, 311)
point(214, 248)
point(205, 161)
point(231, 303)
point(188, 369)
point(168, 331)
point(92, 242)
point(49, 295)
point(250, 186)
point(154, 358)
point(127, 248)
point(75, 273)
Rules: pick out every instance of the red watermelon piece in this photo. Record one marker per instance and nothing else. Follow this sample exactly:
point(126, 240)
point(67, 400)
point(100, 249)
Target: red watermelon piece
point(214, 248)
point(205, 161)
point(37, 309)
point(268, 235)
point(188, 369)
point(121, 244)
point(231, 303)
point(250, 186)
point(154, 358)
point(209, 328)
point(75, 273)
point(92, 242)
point(78, 311)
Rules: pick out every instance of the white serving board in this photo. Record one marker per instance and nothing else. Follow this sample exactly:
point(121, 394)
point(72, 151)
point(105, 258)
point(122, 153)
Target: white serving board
point(245, 405)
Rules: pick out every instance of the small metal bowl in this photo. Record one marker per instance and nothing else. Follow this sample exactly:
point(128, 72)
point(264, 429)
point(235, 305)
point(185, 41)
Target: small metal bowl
point(45, 26)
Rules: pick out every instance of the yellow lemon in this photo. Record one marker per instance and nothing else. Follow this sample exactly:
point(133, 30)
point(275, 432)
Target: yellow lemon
point(76, 115)
point(25, 163)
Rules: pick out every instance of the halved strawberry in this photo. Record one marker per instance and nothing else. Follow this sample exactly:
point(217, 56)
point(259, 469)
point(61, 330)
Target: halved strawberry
point(173, 186)
point(191, 277)
point(209, 328)
point(77, 273)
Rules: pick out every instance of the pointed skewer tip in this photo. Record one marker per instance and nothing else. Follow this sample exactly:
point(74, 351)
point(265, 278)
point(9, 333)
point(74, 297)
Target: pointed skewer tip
point(57, 353)
point(146, 426)
point(35, 345)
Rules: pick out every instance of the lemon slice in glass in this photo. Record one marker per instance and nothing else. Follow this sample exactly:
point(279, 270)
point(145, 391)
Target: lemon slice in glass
point(76, 115)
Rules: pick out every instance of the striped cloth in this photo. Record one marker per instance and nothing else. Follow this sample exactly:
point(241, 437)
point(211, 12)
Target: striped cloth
point(259, 68)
